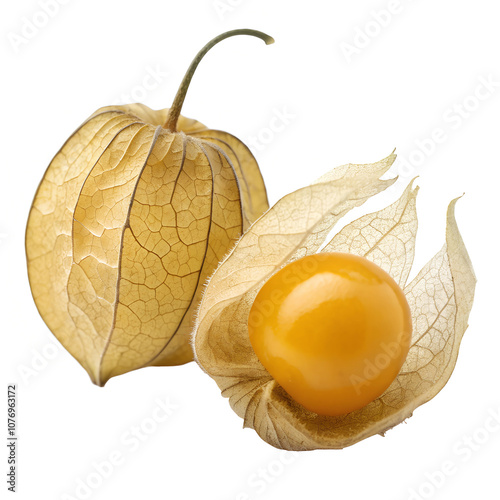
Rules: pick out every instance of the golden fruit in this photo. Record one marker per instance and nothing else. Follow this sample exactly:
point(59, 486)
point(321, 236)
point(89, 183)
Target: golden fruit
point(333, 329)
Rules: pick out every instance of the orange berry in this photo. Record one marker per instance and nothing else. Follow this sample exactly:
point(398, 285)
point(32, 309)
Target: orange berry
point(333, 329)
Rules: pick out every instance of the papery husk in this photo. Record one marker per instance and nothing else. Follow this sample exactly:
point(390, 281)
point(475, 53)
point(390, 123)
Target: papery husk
point(129, 221)
point(440, 298)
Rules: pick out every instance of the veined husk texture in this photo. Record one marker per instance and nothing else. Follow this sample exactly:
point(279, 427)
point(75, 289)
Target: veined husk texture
point(440, 298)
point(127, 224)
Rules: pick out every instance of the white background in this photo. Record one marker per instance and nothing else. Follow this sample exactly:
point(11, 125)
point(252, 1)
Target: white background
point(412, 76)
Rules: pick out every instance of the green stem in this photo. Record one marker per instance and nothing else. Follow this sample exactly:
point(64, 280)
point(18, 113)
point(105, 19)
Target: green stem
point(175, 110)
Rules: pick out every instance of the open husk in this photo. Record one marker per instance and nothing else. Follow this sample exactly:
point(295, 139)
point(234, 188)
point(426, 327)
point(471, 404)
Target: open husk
point(440, 298)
